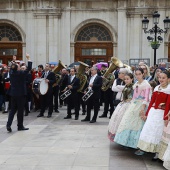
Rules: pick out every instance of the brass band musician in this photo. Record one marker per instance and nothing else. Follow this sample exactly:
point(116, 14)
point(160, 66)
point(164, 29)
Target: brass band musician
point(95, 84)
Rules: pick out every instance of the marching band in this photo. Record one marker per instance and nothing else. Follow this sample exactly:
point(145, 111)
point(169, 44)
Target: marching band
point(128, 94)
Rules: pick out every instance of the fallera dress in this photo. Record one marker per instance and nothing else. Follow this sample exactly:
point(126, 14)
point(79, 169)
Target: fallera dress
point(131, 124)
point(157, 111)
point(116, 118)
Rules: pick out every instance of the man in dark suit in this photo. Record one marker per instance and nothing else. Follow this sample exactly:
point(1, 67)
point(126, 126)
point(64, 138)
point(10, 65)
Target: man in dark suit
point(72, 100)
point(95, 84)
point(18, 92)
point(63, 84)
point(47, 99)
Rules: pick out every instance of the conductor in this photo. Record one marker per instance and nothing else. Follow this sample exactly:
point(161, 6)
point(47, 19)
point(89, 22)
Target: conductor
point(18, 92)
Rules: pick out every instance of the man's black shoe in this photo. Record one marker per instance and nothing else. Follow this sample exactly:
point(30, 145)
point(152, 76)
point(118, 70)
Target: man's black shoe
point(40, 115)
point(57, 111)
point(92, 121)
point(8, 128)
point(22, 128)
point(48, 116)
point(5, 112)
point(26, 114)
point(103, 115)
point(83, 113)
point(76, 118)
point(85, 120)
point(67, 117)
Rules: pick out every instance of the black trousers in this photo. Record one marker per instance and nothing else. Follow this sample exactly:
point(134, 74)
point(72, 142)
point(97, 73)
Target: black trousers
point(108, 101)
point(81, 102)
point(55, 94)
point(47, 101)
point(17, 104)
point(72, 101)
point(92, 102)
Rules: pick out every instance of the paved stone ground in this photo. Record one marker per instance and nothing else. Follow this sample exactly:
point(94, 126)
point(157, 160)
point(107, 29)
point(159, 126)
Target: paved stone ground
point(58, 144)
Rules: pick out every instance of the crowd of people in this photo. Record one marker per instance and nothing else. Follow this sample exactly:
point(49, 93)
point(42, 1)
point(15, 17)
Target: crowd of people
point(138, 100)
point(141, 119)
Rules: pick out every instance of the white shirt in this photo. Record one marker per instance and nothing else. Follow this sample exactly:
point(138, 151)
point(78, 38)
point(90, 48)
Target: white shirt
point(72, 77)
point(92, 80)
point(46, 74)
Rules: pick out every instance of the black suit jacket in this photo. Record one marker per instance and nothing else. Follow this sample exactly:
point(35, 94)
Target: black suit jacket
point(97, 84)
point(18, 81)
point(63, 82)
point(51, 78)
point(75, 84)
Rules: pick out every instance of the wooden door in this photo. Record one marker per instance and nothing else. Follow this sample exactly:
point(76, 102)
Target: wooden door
point(92, 53)
point(7, 50)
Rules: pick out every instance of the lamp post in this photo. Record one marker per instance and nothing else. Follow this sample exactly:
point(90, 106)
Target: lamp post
point(156, 40)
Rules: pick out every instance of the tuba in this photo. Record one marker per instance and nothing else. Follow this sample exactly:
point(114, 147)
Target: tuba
point(108, 77)
point(127, 66)
point(56, 70)
point(82, 76)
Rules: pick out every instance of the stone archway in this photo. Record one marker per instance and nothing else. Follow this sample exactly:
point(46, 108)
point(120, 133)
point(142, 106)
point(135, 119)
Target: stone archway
point(11, 41)
point(93, 43)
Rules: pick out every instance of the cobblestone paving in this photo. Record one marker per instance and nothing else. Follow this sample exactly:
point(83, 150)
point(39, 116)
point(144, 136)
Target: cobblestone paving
point(58, 144)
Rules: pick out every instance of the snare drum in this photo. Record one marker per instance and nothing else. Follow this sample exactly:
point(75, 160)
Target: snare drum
point(39, 86)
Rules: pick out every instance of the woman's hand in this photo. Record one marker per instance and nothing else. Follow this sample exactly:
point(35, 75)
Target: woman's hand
point(166, 122)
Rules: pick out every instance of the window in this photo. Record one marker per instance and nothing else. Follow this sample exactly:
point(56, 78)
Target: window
point(9, 33)
point(8, 52)
point(95, 52)
point(94, 33)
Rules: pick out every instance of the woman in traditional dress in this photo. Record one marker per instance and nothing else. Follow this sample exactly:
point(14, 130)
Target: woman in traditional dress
point(116, 118)
point(155, 117)
point(131, 124)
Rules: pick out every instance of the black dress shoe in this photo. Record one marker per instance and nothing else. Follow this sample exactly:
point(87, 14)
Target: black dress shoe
point(40, 115)
point(8, 128)
point(67, 117)
point(76, 118)
point(85, 120)
point(48, 116)
point(83, 113)
point(103, 115)
point(22, 128)
point(5, 112)
point(57, 111)
point(92, 121)
point(26, 114)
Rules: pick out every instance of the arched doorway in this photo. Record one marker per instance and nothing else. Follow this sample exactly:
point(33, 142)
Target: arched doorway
point(10, 43)
point(94, 43)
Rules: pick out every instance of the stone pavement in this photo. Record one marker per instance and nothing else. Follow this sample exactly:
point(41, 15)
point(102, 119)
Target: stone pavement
point(58, 144)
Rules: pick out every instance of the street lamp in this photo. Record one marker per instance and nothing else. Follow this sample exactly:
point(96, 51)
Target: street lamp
point(155, 41)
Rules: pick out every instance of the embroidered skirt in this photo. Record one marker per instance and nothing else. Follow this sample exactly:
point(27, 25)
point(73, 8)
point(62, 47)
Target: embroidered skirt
point(131, 125)
point(151, 134)
point(116, 119)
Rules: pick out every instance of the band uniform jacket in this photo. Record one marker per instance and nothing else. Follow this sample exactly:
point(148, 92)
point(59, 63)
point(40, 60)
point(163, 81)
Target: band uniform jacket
point(63, 82)
point(51, 78)
point(97, 84)
point(75, 84)
point(18, 81)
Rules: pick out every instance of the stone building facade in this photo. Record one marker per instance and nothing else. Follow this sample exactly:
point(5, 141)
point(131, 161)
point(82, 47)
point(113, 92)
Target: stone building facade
point(86, 30)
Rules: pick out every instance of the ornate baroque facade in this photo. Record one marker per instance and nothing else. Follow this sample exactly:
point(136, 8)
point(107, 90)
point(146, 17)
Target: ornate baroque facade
point(84, 30)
